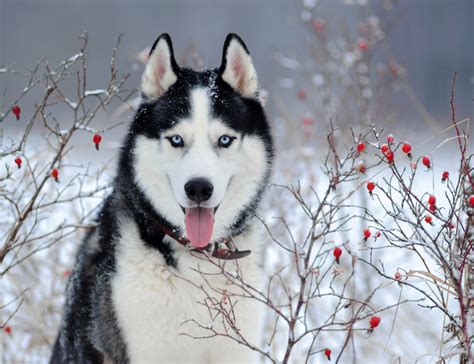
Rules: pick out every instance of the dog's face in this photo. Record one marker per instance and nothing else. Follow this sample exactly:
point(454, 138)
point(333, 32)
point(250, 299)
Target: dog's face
point(202, 149)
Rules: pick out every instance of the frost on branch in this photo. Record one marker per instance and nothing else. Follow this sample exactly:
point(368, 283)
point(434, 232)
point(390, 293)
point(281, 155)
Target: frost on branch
point(48, 195)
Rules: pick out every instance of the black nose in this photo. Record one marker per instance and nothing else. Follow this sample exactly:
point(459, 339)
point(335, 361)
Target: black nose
point(198, 190)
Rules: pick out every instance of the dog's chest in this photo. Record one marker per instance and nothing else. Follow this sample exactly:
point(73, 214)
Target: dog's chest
point(160, 308)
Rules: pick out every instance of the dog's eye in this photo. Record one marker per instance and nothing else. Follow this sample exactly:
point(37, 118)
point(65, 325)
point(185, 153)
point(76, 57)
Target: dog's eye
point(225, 141)
point(176, 141)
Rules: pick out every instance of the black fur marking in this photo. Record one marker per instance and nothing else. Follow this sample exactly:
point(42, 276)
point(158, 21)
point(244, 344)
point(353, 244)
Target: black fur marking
point(87, 333)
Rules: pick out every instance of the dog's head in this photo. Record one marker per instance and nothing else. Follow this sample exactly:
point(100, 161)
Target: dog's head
point(201, 144)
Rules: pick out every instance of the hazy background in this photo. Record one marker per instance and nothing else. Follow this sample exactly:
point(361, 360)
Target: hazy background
point(430, 38)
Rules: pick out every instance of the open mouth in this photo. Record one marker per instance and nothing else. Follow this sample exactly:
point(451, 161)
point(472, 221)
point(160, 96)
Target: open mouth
point(199, 222)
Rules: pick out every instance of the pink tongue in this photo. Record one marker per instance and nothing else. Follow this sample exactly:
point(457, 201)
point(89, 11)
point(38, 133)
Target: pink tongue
point(199, 225)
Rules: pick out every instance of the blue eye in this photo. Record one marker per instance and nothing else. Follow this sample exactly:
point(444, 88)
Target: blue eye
point(225, 141)
point(176, 141)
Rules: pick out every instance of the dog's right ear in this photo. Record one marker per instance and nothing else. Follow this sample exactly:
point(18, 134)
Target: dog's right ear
point(161, 69)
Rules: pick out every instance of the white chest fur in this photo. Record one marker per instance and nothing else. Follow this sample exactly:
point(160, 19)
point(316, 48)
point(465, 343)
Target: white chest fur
point(158, 306)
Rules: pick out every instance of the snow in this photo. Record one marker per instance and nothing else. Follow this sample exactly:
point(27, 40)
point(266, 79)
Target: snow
point(95, 92)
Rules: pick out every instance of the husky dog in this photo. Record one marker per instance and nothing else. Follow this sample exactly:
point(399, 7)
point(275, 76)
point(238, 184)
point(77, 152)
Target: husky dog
point(191, 174)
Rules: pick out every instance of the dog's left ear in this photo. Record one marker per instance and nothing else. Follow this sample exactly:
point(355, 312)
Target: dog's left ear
point(161, 69)
point(237, 68)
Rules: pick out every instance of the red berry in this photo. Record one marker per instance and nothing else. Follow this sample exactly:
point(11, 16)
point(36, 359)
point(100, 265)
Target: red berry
point(302, 95)
point(337, 253)
point(360, 147)
point(18, 162)
point(327, 352)
point(55, 174)
point(445, 176)
point(362, 168)
point(308, 120)
point(378, 234)
point(471, 201)
point(7, 329)
point(362, 44)
point(398, 276)
point(432, 208)
point(394, 69)
point(319, 25)
point(428, 219)
point(370, 186)
point(432, 200)
point(390, 138)
point(450, 225)
point(390, 156)
point(406, 148)
point(426, 161)
point(97, 139)
point(384, 148)
point(16, 110)
point(367, 233)
point(374, 321)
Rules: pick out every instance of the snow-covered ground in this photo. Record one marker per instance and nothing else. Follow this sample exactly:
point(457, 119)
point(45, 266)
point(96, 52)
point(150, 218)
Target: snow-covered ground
point(406, 334)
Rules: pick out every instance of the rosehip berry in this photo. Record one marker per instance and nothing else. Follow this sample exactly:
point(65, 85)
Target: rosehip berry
point(319, 25)
point(302, 95)
point(428, 219)
point(471, 201)
point(384, 148)
point(360, 147)
point(432, 200)
point(370, 186)
point(378, 234)
point(337, 254)
point(374, 321)
point(7, 329)
point(394, 69)
point(390, 156)
point(55, 174)
point(406, 148)
point(445, 176)
point(308, 121)
point(362, 168)
point(398, 276)
point(367, 233)
point(362, 44)
point(16, 110)
point(390, 138)
point(327, 352)
point(426, 162)
point(432, 208)
point(18, 162)
point(97, 139)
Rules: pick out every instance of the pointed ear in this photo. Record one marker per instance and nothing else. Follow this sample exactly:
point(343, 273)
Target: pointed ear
point(237, 68)
point(161, 69)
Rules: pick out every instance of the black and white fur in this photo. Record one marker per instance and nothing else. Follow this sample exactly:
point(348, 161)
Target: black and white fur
point(125, 302)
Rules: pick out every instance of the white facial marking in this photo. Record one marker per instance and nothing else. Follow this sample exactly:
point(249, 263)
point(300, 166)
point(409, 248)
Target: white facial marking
point(235, 172)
